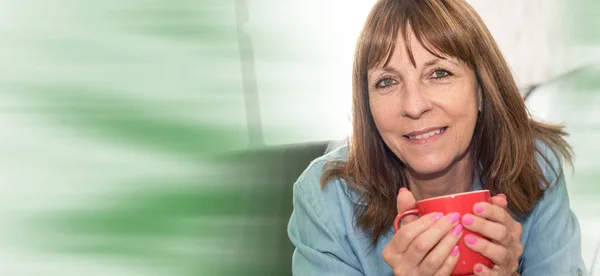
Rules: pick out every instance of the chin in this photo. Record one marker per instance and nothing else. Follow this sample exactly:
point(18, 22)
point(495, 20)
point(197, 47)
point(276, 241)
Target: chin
point(429, 167)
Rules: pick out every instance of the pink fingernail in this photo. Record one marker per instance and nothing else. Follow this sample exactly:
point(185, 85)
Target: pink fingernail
point(478, 208)
point(457, 229)
point(467, 220)
point(478, 268)
point(470, 239)
point(454, 250)
point(502, 195)
point(437, 216)
point(402, 190)
point(454, 217)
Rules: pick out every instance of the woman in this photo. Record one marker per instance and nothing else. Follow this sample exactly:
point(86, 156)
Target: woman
point(435, 112)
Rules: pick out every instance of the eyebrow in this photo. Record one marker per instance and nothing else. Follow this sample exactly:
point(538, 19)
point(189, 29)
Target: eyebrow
point(386, 69)
point(431, 62)
point(436, 60)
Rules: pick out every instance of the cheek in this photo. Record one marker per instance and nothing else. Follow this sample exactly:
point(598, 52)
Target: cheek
point(463, 112)
point(383, 115)
point(465, 129)
point(387, 122)
point(461, 102)
point(465, 125)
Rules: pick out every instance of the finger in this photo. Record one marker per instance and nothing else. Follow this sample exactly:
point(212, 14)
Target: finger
point(428, 239)
point(498, 254)
point(482, 270)
point(500, 201)
point(406, 201)
point(440, 253)
point(407, 233)
point(449, 263)
point(492, 212)
point(489, 229)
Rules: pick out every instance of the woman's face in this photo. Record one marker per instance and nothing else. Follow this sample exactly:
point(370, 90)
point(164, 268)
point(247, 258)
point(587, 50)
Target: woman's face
point(426, 114)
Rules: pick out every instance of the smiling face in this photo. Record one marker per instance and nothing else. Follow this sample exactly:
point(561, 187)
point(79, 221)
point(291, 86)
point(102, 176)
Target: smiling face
point(426, 114)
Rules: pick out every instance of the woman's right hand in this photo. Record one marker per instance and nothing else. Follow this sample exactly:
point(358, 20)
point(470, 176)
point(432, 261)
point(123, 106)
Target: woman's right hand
point(423, 246)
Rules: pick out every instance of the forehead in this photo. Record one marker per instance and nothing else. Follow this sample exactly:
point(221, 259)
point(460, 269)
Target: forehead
point(410, 50)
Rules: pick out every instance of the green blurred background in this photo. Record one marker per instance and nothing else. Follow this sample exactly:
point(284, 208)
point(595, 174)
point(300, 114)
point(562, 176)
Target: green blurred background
point(162, 137)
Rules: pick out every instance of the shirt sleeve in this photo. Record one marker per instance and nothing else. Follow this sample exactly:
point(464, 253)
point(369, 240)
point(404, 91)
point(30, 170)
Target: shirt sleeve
point(319, 248)
point(553, 242)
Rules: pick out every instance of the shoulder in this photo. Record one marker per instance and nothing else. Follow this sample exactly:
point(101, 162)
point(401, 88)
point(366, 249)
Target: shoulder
point(555, 195)
point(335, 195)
point(557, 247)
point(322, 226)
point(552, 181)
point(550, 162)
point(316, 168)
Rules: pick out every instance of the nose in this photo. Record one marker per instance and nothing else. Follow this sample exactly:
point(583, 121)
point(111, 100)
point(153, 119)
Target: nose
point(415, 102)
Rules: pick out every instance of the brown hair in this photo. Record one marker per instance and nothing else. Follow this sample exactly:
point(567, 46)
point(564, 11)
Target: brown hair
point(504, 140)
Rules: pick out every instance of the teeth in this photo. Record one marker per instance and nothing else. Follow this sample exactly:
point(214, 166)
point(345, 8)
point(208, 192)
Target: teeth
point(425, 135)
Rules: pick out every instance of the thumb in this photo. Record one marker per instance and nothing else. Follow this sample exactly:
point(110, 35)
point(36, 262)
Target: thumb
point(404, 202)
point(500, 201)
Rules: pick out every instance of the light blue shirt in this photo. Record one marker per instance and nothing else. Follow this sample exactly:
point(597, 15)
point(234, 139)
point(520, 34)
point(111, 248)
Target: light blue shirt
point(328, 243)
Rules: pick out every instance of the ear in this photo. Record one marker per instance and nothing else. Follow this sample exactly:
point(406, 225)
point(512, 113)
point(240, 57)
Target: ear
point(479, 97)
point(479, 92)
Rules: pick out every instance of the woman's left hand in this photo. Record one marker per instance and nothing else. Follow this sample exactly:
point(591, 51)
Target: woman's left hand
point(495, 223)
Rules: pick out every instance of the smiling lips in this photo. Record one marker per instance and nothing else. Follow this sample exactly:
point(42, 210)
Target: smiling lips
point(419, 135)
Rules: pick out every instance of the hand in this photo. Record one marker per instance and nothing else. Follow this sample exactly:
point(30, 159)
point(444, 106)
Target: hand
point(493, 222)
point(425, 245)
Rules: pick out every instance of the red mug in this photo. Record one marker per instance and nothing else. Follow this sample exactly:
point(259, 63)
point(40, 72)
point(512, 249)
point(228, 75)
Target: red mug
point(463, 204)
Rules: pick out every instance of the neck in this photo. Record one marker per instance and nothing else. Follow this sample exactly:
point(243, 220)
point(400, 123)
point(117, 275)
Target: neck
point(458, 178)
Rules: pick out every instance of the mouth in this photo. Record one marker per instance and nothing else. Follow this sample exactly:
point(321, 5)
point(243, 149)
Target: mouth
point(421, 135)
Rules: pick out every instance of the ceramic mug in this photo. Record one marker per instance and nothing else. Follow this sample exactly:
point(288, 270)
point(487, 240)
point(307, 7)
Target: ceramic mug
point(463, 204)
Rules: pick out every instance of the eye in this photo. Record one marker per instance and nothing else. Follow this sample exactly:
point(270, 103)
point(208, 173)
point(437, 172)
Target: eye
point(385, 82)
point(440, 74)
